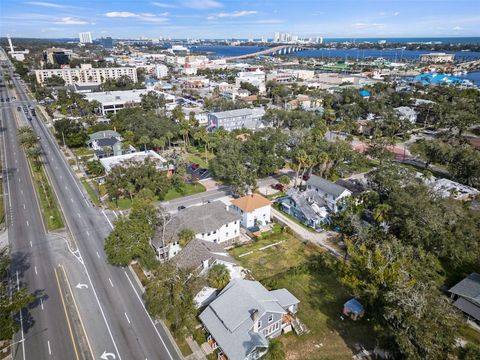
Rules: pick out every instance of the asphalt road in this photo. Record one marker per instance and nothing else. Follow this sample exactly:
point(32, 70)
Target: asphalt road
point(44, 330)
point(108, 298)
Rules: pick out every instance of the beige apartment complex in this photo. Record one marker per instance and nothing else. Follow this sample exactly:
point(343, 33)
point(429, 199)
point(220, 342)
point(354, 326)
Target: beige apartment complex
point(86, 74)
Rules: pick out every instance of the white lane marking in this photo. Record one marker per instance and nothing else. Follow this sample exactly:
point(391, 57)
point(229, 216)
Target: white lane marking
point(88, 234)
point(148, 315)
point(28, 223)
point(21, 322)
point(98, 255)
point(109, 222)
point(49, 349)
point(24, 206)
point(41, 303)
point(18, 179)
point(36, 273)
point(111, 283)
point(79, 215)
point(66, 187)
point(31, 244)
point(71, 199)
point(127, 318)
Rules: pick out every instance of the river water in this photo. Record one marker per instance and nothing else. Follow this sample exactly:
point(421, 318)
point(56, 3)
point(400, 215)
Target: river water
point(346, 54)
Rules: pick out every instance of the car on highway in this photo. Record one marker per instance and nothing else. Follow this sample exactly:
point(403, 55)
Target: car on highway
point(181, 207)
point(19, 108)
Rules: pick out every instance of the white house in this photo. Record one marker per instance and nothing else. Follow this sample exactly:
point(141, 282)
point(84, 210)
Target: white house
point(331, 193)
point(254, 209)
point(213, 222)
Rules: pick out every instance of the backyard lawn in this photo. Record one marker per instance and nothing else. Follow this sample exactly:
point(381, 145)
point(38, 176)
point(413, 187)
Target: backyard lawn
point(321, 295)
point(199, 158)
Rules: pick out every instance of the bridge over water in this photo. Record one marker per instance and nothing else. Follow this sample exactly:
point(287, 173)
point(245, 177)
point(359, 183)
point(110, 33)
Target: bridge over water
point(276, 50)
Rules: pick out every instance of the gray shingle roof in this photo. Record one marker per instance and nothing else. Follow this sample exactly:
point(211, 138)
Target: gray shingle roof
point(197, 251)
point(326, 186)
point(468, 307)
point(285, 298)
point(104, 134)
point(199, 219)
point(468, 288)
point(238, 112)
point(305, 205)
point(110, 141)
point(229, 320)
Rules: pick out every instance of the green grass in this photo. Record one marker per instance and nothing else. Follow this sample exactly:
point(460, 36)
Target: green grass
point(91, 192)
point(120, 204)
point(469, 334)
point(187, 189)
point(181, 342)
point(48, 203)
point(320, 293)
point(198, 158)
point(2, 207)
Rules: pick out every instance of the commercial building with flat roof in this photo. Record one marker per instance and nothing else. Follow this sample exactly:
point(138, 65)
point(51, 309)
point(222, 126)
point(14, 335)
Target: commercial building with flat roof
point(437, 58)
point(112, 101)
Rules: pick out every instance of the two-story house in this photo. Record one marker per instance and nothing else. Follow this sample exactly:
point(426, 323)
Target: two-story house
point(213, 222)
point(105, 143)
point(331, 193)
point(244, 316)
point(254, 209)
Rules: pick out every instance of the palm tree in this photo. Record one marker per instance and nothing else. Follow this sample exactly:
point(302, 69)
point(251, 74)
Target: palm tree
point(169, 136)
point(158, 143)
point(144, 140)
point(218, 276)
point(380, 213)
point(275, 351)
point(299, 158)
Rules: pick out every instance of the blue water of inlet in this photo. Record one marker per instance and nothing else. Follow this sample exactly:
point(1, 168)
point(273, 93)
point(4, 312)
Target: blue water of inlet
point(346, 54)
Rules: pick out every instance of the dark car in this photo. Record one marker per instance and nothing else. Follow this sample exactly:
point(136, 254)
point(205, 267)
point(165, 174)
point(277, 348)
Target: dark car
point(306, 177)
point(181, 207)
point(19, 108)
point(29, 118)
point(279, 187)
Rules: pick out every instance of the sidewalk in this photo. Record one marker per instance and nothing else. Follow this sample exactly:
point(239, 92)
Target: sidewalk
point(319, 239)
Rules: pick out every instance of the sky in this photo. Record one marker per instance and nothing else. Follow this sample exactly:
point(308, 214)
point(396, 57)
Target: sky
point(240, 18)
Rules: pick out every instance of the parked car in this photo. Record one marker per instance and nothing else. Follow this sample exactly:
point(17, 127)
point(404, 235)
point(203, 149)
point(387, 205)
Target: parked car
point(181, 207)
point(279, 187)
point(306, 177)
point(19, 108)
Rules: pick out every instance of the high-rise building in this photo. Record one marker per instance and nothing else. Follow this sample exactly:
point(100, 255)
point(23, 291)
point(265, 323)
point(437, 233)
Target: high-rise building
point(85, 37)
point(107, 42)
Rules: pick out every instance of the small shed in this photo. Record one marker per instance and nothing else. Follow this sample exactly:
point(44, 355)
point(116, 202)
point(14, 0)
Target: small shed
point(353, 309)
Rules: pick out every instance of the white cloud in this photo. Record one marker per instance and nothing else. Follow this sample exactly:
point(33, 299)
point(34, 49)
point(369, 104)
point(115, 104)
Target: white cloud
point(457, 28)
point(202, 4)
point(148, 17)
point(46, 4)
point(382, 13)
point(70, 21)
point(396, 13)
point(120, 14)
point(269, 21)
point(362, 26)
point(163, 5)
point(234, 14)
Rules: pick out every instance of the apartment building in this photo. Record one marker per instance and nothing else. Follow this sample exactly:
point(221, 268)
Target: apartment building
point(86, 74)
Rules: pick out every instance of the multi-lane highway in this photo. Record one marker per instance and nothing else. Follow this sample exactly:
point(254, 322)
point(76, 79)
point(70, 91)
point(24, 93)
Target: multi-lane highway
point(106, 298)
point(44, 328)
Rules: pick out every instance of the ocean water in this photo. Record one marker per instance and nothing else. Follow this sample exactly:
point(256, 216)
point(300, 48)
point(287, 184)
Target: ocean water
point(473, 77)
point(346, 54)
